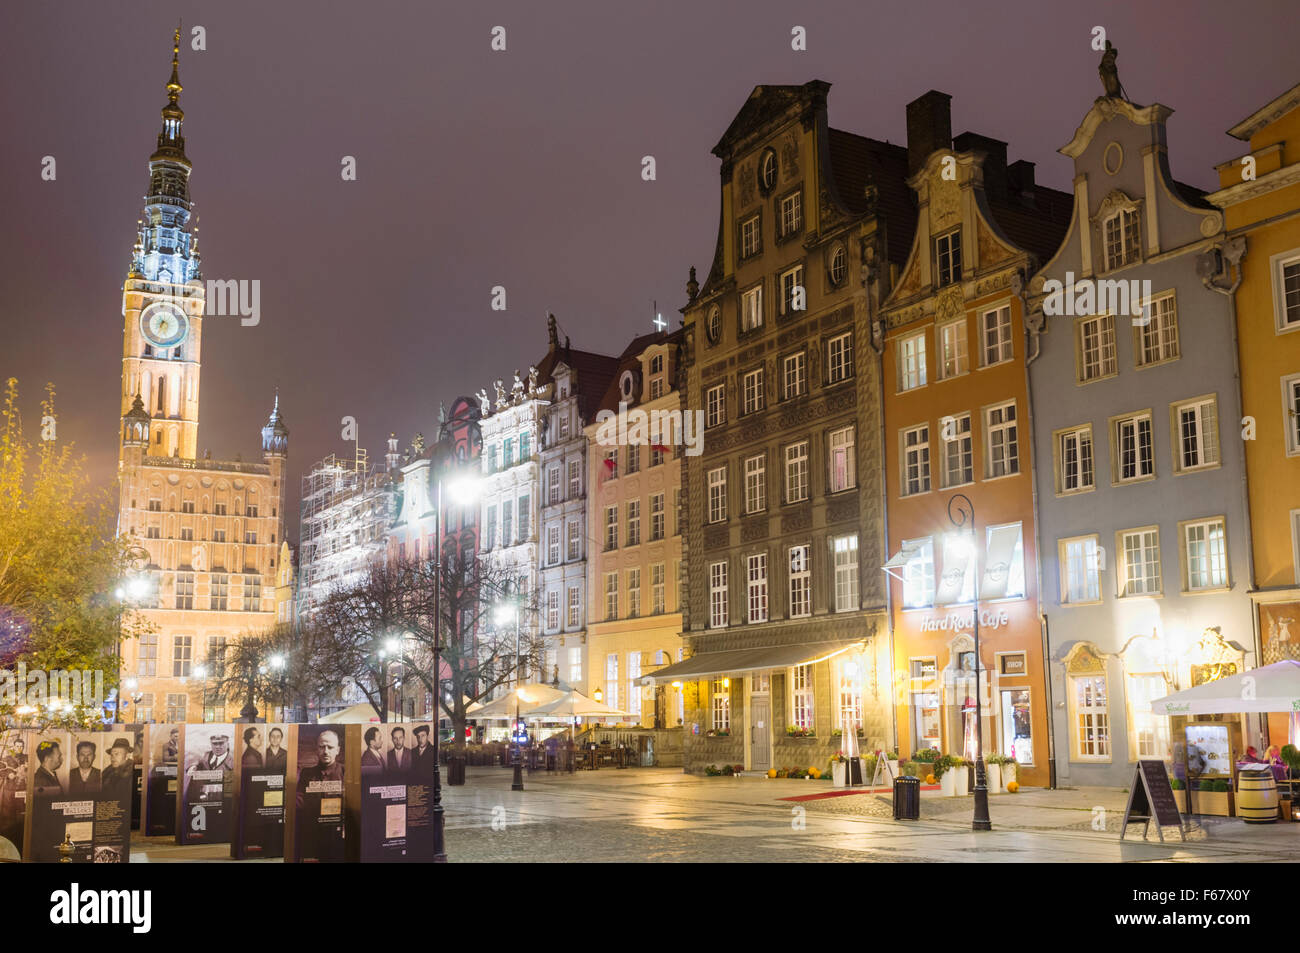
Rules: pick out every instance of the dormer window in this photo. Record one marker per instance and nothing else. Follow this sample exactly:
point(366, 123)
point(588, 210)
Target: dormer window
point(947, 252)
point(1123, 236)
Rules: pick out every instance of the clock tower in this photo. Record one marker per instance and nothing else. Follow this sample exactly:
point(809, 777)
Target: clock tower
point(163, 296)
point(209, 531)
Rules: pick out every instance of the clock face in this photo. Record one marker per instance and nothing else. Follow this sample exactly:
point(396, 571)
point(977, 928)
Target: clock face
point(164, 325)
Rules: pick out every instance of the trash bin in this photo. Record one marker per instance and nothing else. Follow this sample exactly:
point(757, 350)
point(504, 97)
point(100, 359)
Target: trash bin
point(907, 799)
point(456, 770)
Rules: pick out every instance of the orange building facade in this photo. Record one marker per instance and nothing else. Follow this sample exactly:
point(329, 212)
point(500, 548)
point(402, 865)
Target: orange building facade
point(956, 420)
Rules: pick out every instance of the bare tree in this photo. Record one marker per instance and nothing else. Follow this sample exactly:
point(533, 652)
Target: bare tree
point(265, 666)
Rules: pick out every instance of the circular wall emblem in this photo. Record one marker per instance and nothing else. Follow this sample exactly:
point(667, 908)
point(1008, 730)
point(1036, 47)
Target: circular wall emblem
point(1112, 158)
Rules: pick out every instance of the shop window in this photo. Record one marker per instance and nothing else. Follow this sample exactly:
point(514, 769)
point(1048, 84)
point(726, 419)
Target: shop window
point(1148, 732)
point(1017, 731)
point(924, 708)
point(801, 697)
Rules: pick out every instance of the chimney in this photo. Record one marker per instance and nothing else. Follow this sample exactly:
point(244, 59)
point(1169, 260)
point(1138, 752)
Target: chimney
point(929, 127)
point(1020, 175)
point(995, 161)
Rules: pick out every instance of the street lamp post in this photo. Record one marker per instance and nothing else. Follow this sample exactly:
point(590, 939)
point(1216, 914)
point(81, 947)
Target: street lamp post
point(961, 511)
point(278, 664)
point(517, 784)
point(134, 589)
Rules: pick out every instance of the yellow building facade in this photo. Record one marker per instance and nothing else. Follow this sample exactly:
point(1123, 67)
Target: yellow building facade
point(1260, 197)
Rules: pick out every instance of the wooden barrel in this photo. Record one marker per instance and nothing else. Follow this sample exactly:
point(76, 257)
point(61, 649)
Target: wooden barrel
point(1256, 796)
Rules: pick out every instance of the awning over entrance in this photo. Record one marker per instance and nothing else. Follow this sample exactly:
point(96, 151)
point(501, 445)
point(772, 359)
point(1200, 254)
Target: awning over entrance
point(740, 661)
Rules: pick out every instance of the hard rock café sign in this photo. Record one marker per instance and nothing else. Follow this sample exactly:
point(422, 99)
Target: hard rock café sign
point(958, 621)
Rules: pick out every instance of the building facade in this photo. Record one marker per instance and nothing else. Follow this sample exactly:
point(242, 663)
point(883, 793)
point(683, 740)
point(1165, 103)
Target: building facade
point(1143, 535)
point(1260, 199)
point(785, 605)
point(212, 530)
point(956, 399)
point(635, 567)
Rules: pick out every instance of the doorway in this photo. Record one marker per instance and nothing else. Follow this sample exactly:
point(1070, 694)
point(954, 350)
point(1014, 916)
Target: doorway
point(760, 733)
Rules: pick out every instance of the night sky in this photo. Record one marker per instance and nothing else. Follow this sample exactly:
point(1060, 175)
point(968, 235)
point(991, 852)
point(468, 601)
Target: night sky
point(479, 168)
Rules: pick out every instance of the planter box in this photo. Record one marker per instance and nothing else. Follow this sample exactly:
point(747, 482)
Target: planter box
point(963, 778)
point(993, 778)
point(1009, 773)
point(948, 783)
point(1211, 803)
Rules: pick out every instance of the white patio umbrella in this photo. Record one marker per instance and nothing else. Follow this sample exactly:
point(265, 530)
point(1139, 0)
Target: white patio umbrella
point(363, 713)
point(529, 697)
point(1272, 688)
point(572, 704)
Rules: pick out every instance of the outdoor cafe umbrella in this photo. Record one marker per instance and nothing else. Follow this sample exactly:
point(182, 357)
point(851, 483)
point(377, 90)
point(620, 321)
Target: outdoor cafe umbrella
point(528, 696)
point(1272, 688)
point(572, 704)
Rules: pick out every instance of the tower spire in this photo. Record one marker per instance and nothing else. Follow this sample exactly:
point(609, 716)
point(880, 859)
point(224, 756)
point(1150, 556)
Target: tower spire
point(171, 144)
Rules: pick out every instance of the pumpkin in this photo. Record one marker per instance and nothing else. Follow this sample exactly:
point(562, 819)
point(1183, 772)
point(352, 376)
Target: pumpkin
point(931, 779)
point(771, 772)
point(1013, 786)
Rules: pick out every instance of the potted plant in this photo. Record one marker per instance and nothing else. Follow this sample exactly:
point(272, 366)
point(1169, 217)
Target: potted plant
point(839, 769)
point(1010, 768)
point(794, 731)
point(943, 769)
point(960, 770)
point(1180, 794)
point(1212, 796)
point(993, 773)
point(892, 758)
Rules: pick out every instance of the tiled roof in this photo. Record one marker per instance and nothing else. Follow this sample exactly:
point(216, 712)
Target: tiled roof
point(856, 162)
point(1037, 223)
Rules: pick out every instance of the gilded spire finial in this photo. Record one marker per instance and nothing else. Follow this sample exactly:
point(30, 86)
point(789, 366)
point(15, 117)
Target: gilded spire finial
point(174, 84)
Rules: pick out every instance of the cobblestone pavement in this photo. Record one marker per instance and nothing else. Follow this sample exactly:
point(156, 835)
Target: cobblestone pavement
point(662, 815)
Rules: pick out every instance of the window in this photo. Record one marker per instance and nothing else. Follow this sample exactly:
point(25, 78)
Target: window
point(1196, 426)
point(552, 545)
point(948, 255)
point(658, 602)
point(188, 507)
point(1286, 290)
point(144, 708)
point(839, 267)
point(849, 680)
point(634, 522)
point(177, 708)
point(220, 591)
point(611, 596)
point(1123, 236)
point(633, 458)
point(611, 528)
point(751, 309)
point(749, 237)
point(1091, 720)
point(720, 690)
point(1291, 413)
point(1150, 732)
point(187, 534)
point(656, 516)
point(843, 460)
point(794, 375)
point(958, 452)
point(918, 574)
point(1205, 555)
point(801, 697)
point(1156, 341)
point(911, 362)
point(146, 655)
point(218, 535)
point(611, 679)
point(755, 484)
point(633, 593)
point(756, 579)
point(1132, 454)
point(575, 479)
point(575, 607)
point(507, 523)
point(844, 549)
point(1080, 560)
point(490, 528)
point(1004, 564)
point(794, 297)
point(574, 545)
point(525, 451)
point(839, 358)
point(1074, 472)
point(553, 485)
point(953, 360)
point(1140, 550)
point(1095, 348)
point(916, 460)
point(508, 452)
point(155, 506)
point(718, 495)
point(1000, 436)
point(800, 582)
point(252, 594)
point(611, 464)
point(552, 610)
point(250, 538)
point(154, 532)
point(492, 458)
point(657, 454)
point(525, 524)
point(633, 677)
point(716, 405)
point(796, 472)
point(752, 392)
point(219, 509)
point(185, 590)
point(995, 336)
point(182, 655)
point(718, 605)
point(791, 213)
